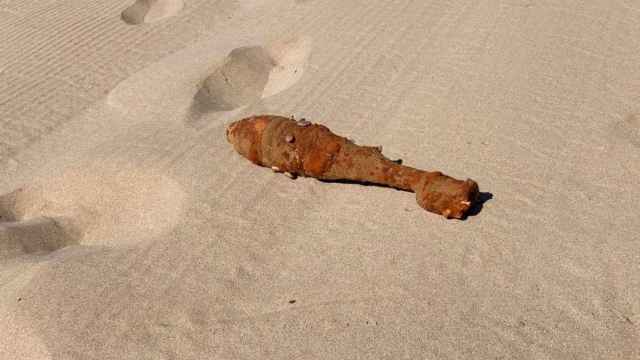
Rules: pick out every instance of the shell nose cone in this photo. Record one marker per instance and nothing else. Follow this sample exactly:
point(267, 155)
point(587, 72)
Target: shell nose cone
point(238, 129)
point(250, 128)
point(246, 136)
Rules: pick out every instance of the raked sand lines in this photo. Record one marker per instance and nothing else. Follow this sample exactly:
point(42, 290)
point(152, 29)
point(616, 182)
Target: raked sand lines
point(148, 11)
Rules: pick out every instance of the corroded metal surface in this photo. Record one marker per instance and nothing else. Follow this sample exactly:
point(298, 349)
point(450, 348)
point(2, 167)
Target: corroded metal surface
point(314, 151)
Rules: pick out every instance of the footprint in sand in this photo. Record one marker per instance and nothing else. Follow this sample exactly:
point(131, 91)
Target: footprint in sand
point(251, 73)
point(628, 129)
point(147, 11)
point(37, 235)
point(89, 206)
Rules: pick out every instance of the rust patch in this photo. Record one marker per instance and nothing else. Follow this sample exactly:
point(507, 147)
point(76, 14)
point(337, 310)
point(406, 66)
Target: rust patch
point(317, 152)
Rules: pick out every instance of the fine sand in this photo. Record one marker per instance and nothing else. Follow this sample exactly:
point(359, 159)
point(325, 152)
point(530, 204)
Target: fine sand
point(130, 229)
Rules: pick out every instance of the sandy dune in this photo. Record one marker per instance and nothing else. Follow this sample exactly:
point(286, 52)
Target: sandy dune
point(130, 229)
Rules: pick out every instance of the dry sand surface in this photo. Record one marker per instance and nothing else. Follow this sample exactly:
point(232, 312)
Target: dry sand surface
point(130, 229)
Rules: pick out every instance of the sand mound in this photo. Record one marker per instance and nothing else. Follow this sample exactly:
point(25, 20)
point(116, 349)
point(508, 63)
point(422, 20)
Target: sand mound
point(147, 11)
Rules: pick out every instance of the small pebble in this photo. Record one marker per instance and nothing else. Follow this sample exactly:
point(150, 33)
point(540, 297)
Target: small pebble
point(292, 301)
point(275, 168)
point(289, 175)
point(302, 122)
point(289, 138)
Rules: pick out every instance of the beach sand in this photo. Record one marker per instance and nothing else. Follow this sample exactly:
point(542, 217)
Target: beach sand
point(131, 229)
